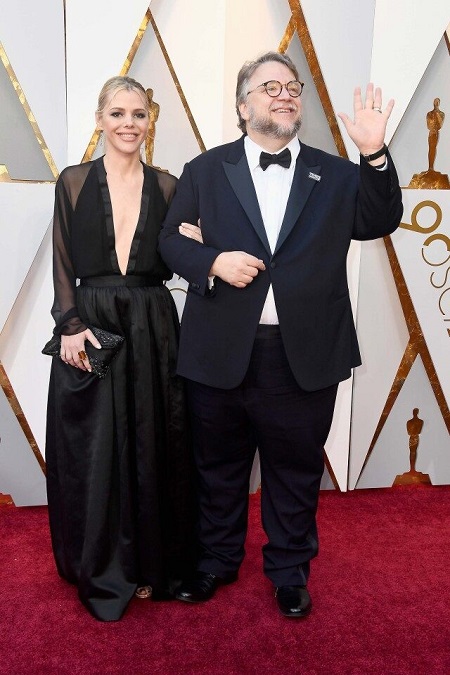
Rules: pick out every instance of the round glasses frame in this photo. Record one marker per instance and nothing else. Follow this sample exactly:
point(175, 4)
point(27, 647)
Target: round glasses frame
point(274, 88)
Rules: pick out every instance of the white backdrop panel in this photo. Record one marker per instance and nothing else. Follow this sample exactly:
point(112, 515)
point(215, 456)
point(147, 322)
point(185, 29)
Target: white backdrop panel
point(406, 35)
point(175, 141)
point(20, 473)
point(390, 456)
point(20, 150)
point(99, 36)
point(193, 34)
point(28, 328)
point(32, 34)
point(383, 336)
point(344, 51)
point(24, 217)
point(410, 143)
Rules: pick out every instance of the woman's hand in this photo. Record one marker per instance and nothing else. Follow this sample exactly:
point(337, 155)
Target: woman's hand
point(72, 349)
point(191, 231)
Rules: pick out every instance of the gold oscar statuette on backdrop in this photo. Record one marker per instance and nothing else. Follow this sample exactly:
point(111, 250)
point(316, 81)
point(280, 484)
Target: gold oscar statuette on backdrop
point(431, 179)
point(413, 477)
point(153, 114)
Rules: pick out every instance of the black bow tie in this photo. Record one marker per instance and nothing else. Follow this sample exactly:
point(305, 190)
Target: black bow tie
point(283, 159)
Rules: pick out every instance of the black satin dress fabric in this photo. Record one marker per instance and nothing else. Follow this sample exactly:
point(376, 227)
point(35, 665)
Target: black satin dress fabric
point(118, 453)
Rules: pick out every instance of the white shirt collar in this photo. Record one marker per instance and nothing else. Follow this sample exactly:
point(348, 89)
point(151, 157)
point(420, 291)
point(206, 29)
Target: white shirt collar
point(253, 151)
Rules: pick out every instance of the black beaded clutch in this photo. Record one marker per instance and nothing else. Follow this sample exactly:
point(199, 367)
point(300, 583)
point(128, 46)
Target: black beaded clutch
point(99, 359)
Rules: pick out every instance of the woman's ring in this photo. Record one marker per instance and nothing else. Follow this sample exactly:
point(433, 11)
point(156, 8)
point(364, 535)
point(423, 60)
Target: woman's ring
point(378, 109)
point(82, 355)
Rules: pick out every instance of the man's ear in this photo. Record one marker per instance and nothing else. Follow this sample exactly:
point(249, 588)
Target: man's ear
point(243, 109)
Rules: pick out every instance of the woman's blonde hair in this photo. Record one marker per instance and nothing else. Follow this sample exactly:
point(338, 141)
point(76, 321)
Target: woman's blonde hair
point(119, 83)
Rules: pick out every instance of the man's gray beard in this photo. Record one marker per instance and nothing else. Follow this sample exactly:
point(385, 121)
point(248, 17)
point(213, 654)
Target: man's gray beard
point(268, 127)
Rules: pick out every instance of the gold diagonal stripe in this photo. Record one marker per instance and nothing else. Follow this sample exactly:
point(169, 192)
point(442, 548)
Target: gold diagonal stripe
point(415, 331)
point(16, 408)
point(136, 44)
point(404, 368)
point(177, 85)
point(332, 474)
point(124, 71)
point(288, 35)
point(416, 345)
point(316, 72)
point(91, 146)
point(148, 18)
point(22, 98)
point(6, 178)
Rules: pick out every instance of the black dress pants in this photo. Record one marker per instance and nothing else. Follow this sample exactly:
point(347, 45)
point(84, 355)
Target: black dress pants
point(289, 426)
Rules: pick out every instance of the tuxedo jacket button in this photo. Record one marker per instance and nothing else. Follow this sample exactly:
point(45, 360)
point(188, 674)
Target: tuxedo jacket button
point(273, 265)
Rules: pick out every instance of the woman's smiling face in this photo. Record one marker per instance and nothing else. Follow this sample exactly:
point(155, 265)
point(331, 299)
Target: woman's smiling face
point(124, 121)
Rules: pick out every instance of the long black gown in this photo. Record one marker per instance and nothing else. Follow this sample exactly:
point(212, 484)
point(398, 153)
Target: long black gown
point(117, 450)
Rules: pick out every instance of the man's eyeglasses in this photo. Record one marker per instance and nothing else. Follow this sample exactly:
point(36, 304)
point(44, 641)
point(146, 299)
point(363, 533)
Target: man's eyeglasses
point(274, 88)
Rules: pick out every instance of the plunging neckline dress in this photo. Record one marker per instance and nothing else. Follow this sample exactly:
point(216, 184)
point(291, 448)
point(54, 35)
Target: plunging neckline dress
point(117, 449)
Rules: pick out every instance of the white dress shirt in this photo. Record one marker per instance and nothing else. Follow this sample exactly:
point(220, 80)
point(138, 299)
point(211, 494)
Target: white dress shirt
point(273, 187)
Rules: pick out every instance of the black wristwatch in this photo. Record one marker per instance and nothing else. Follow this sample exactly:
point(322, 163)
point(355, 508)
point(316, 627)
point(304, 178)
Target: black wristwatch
point(376, 155)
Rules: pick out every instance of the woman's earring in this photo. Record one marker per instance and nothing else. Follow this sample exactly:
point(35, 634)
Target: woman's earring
point(100, 140)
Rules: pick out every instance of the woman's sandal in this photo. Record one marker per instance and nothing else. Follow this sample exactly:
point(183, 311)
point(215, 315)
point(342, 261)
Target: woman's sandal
point(143, 592)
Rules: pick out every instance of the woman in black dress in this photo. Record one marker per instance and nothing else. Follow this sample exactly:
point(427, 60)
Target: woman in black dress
point(117, 452)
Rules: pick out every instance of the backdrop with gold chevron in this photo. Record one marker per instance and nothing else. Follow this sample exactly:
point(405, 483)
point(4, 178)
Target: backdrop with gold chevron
point(392, 421)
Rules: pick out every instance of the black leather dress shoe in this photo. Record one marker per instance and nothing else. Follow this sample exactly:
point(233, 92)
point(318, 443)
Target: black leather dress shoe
point(293, 601)
point(203, 586)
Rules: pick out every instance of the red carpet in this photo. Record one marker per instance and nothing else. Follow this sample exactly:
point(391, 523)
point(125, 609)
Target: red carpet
point(380, 589)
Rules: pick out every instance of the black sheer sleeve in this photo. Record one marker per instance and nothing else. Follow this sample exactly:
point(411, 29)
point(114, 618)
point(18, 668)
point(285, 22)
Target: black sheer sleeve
point(167, 184)
point(64, 310)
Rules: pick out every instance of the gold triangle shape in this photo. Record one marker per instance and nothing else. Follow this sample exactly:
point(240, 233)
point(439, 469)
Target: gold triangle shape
point(17, 410)
point(316, 72)
point(4, 176)
point(146, 21)
point(416, 346)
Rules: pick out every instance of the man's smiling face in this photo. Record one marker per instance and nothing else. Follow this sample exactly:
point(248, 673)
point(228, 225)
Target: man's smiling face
point(278, 117)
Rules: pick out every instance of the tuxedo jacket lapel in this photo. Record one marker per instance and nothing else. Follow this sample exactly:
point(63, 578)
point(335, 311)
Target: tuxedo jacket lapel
point(240, 179)
point(302, 186)
point(238, 174)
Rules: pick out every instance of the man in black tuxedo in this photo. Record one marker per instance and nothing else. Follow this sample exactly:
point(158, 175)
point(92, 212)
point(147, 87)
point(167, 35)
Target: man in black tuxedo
point(267, 331)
